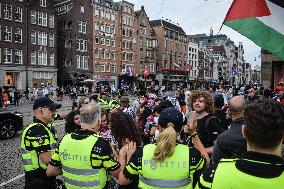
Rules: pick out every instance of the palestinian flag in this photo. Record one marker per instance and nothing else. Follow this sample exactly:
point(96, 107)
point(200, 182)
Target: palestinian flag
point(262, 21)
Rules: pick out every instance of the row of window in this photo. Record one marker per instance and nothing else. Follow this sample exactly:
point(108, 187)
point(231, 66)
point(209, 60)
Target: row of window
point(175, 35)
point(110, 29)
point(149, 42)
point(42, 75)
point(42, 58)
point(127, 32)
point(127, 44)
point(128, 20)
point(37, 58)
point(40, 38)
point(105, 41)
point(128, 9)
point(126, 56)
point(193, 63)
point(8, 34)
point(107, 14)
point(151, 67)
point(105, 67)
point(192, 56)
point(193, 50)
point(104, 54)
point(8, 13)
point(169, 43)
point(149, 54)
point(12, 54)
point(41, 18)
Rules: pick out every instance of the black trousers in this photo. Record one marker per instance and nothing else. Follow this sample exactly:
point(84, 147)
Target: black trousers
point(33, 181)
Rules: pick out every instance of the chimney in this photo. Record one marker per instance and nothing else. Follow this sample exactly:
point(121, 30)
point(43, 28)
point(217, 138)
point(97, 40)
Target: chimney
point(142, 8)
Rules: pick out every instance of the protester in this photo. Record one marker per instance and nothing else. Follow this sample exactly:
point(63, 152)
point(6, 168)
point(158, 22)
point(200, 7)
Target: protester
point(208, 126)
point(231, 143)
point(72, 122)
point(220, 111)
point(262, 165)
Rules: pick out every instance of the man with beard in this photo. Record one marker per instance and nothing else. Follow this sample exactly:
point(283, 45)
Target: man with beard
point(208, 126)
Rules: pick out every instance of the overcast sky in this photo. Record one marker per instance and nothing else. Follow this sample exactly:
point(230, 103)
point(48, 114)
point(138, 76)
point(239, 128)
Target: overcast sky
point(198, 16)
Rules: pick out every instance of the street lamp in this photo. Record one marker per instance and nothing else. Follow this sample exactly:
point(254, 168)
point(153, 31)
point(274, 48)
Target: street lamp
point(28, 3)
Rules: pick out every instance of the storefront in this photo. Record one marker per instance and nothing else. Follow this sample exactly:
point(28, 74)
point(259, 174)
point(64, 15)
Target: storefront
point(111, 81)
point(42, 79)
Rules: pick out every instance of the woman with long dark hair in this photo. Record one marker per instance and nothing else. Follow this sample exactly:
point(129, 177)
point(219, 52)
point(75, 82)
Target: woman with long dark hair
point(125, 132)
point(72, 121)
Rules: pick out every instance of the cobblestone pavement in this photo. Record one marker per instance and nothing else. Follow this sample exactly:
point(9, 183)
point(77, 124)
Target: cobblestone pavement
point(10, 159)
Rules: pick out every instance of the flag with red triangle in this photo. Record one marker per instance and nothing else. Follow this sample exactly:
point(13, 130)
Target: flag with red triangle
point(262, 21)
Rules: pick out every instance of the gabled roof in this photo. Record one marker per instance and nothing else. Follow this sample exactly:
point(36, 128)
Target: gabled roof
point(165, 24)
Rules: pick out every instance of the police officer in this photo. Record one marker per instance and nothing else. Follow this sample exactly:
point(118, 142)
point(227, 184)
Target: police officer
point(167, 164)
point(262, 166)
point(37, 144)
point(84, 158)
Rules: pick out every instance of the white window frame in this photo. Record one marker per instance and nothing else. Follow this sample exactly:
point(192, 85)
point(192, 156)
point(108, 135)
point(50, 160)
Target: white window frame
point(51, 59)
point(97, 26)
point(51, 21)
point(78, 61)
point(113, 17)
point(8, 11)
point(51, 40)
point(33, 58)
point(42, 38)
point(8, 52)
point(82, 9)
point(19, 11)
point(82, 26)
point(107, 54)
point(19, 31)
point(82, 45)
point(33, 37)
point(97, 12)
point(8, 31)
point(42, 3)
point(42, 58)
point(86, 62)
point(33, 17)
point(97, 53)
point(18, 53)
point(42, 19)
point(102, 68)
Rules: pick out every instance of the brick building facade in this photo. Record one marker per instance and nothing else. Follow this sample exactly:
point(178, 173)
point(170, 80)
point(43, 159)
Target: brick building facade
point(27, 44)
point(173, 64)
point(75, 40)
point(146, 49)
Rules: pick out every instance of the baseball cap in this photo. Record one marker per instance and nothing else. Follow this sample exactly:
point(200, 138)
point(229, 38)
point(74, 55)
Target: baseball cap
point(45, 102)
point(124, 99)
point(171, 115)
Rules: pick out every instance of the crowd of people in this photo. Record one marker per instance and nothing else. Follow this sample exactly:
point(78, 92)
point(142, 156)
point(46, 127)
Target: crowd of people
point(215, 137)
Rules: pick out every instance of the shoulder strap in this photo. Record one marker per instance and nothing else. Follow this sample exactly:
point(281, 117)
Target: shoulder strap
point(209, 119)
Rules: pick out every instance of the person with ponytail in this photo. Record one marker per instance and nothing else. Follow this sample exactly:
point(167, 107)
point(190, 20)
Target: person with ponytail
point(168, 163)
